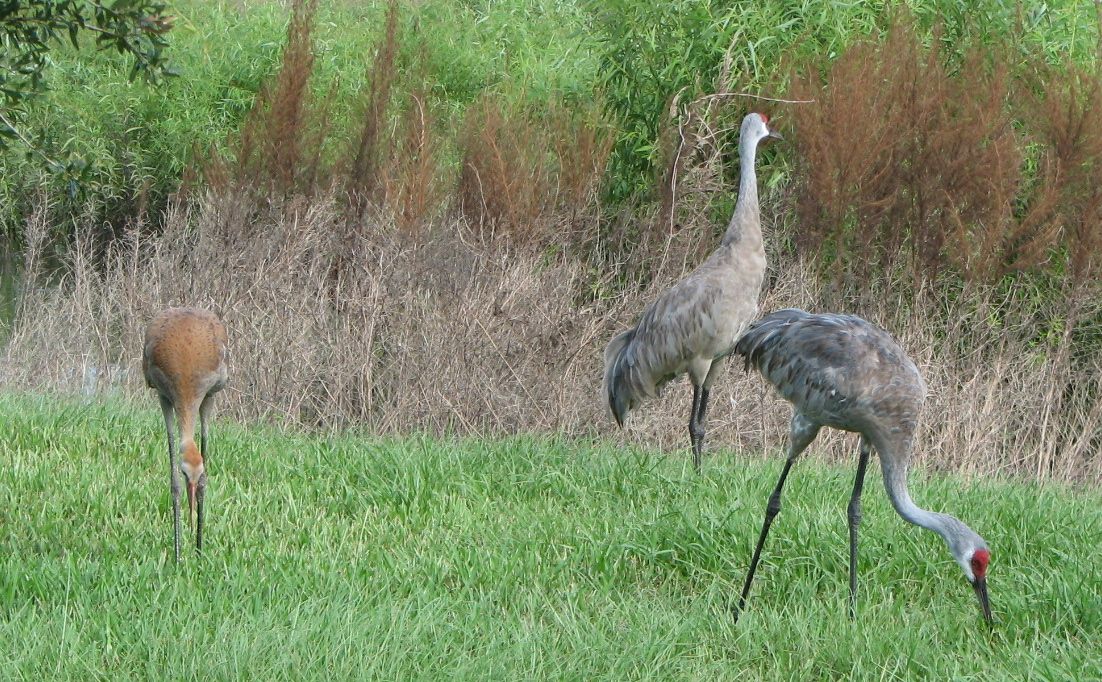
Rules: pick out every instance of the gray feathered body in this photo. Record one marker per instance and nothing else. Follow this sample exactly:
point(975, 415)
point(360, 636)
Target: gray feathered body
point(688, 328)
point(840, 371)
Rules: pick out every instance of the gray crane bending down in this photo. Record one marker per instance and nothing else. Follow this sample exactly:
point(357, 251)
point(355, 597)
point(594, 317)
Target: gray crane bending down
point(845, 372)
point(184, 360)
point(693, 325)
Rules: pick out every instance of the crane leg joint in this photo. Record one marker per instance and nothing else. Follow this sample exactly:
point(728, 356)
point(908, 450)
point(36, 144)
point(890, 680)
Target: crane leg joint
point(774, 506)
point(696, 431)
point(854, 512)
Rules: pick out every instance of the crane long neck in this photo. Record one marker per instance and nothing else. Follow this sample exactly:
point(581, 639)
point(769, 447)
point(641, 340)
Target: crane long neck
point(895, 482)
point(186, 413)
point(745, 223)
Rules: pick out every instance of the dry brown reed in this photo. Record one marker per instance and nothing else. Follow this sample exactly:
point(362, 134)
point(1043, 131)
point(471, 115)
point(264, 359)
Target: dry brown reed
point(364, 182)
point(448, 334)
point(278, 151)
point(523, 174)
point(908, 157)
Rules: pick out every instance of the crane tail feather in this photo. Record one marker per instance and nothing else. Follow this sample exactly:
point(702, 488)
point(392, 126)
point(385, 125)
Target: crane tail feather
point(757, 342)
point(617, 383)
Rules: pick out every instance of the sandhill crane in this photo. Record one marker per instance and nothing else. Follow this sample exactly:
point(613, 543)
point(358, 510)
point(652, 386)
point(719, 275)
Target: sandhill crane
point(693, 325)
point(185, 362)
point(845, 372)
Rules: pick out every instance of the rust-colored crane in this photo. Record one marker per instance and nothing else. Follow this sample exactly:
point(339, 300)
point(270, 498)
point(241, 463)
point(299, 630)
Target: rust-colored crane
point(185, 362)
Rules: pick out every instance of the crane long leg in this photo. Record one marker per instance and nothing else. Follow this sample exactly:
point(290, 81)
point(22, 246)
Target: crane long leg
point(696, 430)
point(173, 477)
point(204, 410)
point(700, 409)
point(201, 488)
point(801, 433)
point(200, 494)
point(854, 515)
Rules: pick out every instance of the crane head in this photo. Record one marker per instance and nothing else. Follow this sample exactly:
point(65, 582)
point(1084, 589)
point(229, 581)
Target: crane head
point(973, 558)
point(978, 564)
point(191, 464)
point(755, 127)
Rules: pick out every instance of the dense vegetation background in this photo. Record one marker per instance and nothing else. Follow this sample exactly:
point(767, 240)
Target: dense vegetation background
point(432, 215)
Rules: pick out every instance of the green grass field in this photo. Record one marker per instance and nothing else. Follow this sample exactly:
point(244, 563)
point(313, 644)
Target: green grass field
point(526, 558)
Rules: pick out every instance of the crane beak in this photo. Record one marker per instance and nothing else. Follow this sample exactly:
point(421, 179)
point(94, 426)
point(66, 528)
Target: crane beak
point(773, 134)
point(190, 502)
point(200, 493)
point(980, 586)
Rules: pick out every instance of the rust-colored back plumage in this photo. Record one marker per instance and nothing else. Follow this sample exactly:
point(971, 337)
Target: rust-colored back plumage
point(185, 361)
point(185, 353)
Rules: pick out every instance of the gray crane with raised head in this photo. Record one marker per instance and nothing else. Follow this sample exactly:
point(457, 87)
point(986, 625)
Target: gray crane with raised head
point(184, 360)
point(693, 325)
point(845, 372)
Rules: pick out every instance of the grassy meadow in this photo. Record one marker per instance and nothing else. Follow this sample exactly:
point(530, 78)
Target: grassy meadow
point(524, 558)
